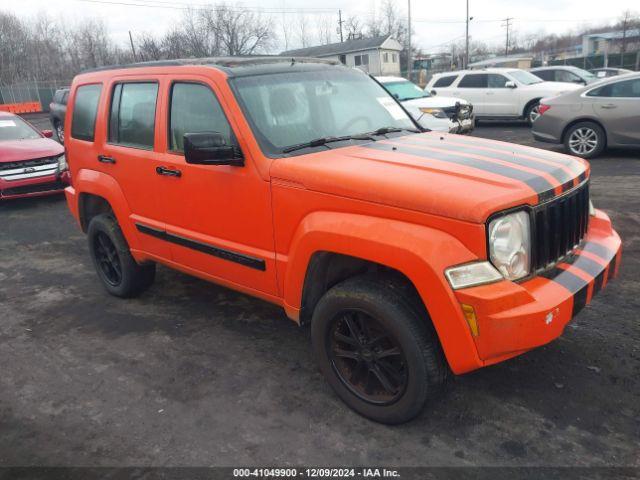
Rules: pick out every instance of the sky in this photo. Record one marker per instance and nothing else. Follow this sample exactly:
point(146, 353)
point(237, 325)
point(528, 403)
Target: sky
point(435, 22)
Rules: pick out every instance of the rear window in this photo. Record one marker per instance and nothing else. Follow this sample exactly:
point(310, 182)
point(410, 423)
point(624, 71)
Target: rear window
point(445, 81)
point(474, 80)
point(84, 112)
point(133, 114)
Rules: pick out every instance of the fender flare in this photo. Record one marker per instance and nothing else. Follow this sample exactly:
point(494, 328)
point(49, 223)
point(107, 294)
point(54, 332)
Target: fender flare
point(419, 252)
point(92, 182)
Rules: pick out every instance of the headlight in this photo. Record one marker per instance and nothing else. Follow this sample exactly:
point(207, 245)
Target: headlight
point(436, 112)
point(62, 163)
point(510, 245)
point(472, 274)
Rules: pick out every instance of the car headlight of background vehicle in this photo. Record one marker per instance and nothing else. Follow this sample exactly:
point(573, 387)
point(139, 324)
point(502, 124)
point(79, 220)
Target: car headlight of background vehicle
point(62, 163)
point(436, 112)
point(510, 245)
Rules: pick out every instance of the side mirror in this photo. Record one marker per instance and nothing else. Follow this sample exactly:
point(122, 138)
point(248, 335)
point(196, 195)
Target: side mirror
point(210, 148)
point(510, 84)
point(433, 92)
point(397, 97)
point(47, 133)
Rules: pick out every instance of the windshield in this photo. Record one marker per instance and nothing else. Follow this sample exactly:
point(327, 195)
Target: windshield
point(14, 128)
point(288, 109)
point(405, 90)
point(525, 78)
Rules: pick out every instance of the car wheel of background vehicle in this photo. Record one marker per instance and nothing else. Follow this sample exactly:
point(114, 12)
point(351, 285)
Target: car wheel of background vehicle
point(120, 274)
point(532, 113)
point(59, 128)
point(376, 351)
point(585, 139)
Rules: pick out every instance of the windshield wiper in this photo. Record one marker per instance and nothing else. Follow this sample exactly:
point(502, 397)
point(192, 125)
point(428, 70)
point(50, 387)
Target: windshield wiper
point(385, 130)
point(322, 141)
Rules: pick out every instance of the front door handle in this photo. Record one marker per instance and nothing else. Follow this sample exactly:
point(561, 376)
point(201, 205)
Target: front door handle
point(609, 105)
point(105, 159)
point(168, 172)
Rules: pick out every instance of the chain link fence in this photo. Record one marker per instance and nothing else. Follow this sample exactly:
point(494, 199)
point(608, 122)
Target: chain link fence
point(33, 91)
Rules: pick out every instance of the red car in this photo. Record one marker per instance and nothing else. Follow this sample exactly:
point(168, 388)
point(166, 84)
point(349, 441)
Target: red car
point(31, 164)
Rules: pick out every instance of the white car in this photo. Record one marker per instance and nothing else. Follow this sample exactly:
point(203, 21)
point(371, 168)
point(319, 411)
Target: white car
point(441, 114)
point(499, 92)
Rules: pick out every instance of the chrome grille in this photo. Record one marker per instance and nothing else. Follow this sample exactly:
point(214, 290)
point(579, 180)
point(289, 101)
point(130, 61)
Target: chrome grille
point(38, 167)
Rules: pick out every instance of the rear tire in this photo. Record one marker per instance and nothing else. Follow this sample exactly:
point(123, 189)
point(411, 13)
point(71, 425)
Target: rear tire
point(585, 140)
point(119, 273)
point(376, 351)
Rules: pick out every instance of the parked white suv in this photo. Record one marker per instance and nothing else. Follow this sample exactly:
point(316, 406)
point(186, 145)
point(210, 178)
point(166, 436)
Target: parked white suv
point(498, 92)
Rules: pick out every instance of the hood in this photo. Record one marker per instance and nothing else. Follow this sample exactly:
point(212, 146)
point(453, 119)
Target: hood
point(441, 174)
point(434, 102)
point(16, 150)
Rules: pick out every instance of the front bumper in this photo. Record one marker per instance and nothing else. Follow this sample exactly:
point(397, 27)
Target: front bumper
point(34, 187)
point(515, 317)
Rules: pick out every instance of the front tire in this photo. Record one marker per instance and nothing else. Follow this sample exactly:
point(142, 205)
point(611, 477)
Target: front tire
point(532, 112)
point(119, 273)
point(59, 128)
point(377, 353)
point(585, 140)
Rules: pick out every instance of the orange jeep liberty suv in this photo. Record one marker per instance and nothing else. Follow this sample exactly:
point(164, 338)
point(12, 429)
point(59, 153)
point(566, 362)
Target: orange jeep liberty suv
point(411, 254)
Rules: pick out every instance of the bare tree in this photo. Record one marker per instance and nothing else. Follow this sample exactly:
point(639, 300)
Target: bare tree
point(354, 27)
point(149, 48)
point(303, 30)
point(241, 32)
point(324, 29)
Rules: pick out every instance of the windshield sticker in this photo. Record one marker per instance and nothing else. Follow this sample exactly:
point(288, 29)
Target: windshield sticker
point(392, 107)
point(7, 123)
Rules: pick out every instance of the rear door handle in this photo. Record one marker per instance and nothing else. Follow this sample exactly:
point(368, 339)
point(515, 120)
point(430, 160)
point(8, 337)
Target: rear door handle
point(609, 105)
point(105, 159)
point(168, 172)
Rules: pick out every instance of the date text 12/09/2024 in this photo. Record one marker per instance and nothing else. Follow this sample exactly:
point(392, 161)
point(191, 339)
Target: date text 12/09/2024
point(315, 473)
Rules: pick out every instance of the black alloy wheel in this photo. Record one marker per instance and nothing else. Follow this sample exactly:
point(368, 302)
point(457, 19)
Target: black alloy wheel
point(108, 259)
point(366, 357)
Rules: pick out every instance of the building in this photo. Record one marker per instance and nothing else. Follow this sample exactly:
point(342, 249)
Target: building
point(511, 61)
point(610, 42)
point(376, 55)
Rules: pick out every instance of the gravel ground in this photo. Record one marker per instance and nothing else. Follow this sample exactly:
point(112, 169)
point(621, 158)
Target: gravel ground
point(192, 374)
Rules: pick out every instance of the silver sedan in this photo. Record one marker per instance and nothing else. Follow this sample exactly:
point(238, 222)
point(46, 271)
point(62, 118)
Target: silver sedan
point(603, 114)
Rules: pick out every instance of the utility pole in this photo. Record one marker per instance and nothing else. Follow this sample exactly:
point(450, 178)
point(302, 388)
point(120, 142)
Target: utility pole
point(623, 47)
point(466, 41)
point(507, 24)
point(409, 61)
point(340, 22)
point(133, 50)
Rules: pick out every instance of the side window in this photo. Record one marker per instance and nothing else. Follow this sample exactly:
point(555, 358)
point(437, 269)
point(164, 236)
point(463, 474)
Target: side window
point(474, 80)
point(496, 81)
point(446, 81)
point(628, 88)
point(133, 114)
point(546, 75)
point(565, 76)
point(85, 109)
point(195, 109)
